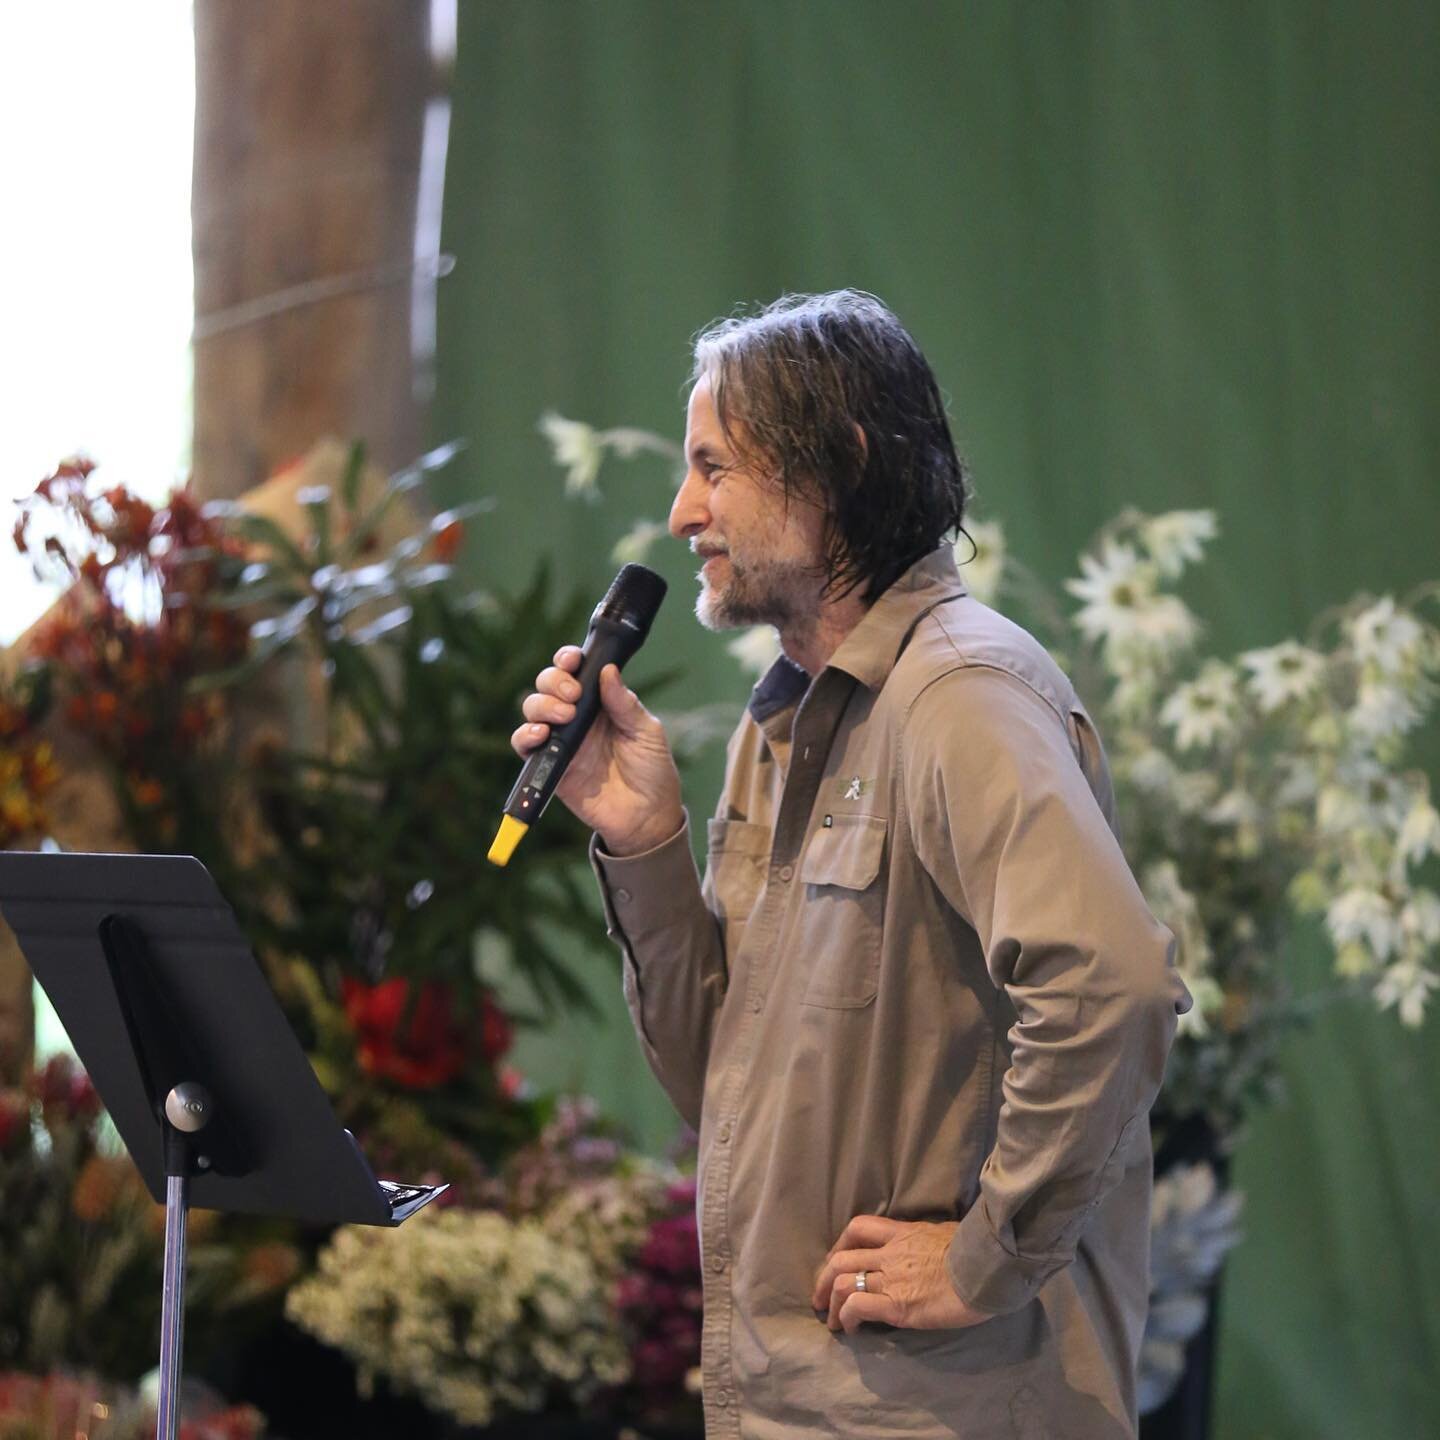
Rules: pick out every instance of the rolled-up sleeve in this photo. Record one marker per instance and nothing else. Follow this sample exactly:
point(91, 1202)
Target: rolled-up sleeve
point(1010, 829)
point(673, 966)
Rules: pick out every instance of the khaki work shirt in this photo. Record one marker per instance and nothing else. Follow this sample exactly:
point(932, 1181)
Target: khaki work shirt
point(917, 980)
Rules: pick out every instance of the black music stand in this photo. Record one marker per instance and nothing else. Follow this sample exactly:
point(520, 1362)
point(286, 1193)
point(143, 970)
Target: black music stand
point(189, 1051)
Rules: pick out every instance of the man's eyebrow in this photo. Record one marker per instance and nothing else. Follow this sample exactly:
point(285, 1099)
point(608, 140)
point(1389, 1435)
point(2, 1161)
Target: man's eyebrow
point(706, 451)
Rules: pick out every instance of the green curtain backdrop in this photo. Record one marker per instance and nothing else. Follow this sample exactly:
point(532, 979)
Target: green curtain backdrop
point(1159, 254)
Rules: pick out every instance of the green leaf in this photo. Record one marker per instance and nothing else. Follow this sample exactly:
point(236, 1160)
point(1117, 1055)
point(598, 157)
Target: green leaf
point(354, 469)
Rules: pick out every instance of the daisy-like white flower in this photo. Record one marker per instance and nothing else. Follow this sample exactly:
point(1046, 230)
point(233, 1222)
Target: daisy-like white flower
point(1385, 636)
point(632, 547)
point(1114, 587)
point(577, 449)
point(1362, 916)
point(1176, 538)
point(1165, 623)
point(1151, 770)
point(981, 572)
point(1420, 918)
point(1382, 710)
point(1203, 710)
point(1287, 671)
point(1407, 985)
point(756, 648)
point(1420, 833)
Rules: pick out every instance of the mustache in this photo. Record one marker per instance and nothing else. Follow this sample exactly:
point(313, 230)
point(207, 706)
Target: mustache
point(699, 545)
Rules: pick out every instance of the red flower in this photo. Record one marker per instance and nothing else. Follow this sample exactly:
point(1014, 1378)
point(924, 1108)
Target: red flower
point(447, 541)
point(432, 1050)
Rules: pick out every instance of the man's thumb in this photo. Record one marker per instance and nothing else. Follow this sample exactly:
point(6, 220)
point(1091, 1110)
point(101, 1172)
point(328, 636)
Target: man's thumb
point(621, 703)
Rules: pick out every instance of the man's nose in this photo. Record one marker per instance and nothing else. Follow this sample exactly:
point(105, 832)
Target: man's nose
point(689, 515)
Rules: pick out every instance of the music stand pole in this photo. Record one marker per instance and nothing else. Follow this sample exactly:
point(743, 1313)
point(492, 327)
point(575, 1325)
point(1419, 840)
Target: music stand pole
point(172, 1308)
point(188, 1109)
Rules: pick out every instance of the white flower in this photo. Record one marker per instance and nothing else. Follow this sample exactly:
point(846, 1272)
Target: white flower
point(578, 449)
point(1203, 710)
point(982, 571)
point(1420, 918)
point(1113, 587)
point(1287, 671)
point(1195, 791)
point(1362, 916)
point(1166, 622)
point(1301, 781)
point(1236, 807)
point(632, 547)
point(1420, 834)
point(1151, 770)
point(1407, 985)
point(1362, 795)
point(1178, 537)
point(1382, 709)
point(1385, 636)
point(756, 648)
point(1207, 999)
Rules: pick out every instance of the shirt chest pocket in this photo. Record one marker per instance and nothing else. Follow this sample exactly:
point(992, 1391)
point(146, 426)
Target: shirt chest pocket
point(843, 909)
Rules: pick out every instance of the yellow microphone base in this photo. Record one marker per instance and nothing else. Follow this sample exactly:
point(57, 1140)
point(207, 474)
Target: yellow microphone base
point(511, 833)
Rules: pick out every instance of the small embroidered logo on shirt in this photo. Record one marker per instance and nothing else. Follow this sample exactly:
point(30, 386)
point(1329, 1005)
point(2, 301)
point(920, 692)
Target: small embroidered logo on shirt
point(856, 788)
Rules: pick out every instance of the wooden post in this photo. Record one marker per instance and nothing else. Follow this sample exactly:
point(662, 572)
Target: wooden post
point(320, 135)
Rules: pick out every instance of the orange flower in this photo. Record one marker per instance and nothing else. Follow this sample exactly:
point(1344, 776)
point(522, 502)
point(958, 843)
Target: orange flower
point(148, 793)
point(98, 1183)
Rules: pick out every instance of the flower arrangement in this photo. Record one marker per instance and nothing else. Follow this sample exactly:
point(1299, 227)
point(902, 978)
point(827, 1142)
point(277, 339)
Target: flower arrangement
point(473, 1312)
point(578, 1285)
point(133, 628)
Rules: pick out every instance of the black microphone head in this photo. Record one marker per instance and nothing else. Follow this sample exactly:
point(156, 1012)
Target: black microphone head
point(634, 595)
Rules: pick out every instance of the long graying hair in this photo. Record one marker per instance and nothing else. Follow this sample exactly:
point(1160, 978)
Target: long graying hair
point(797, 384)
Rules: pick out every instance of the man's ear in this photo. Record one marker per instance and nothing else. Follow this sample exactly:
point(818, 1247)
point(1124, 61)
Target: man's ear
point(860, 438)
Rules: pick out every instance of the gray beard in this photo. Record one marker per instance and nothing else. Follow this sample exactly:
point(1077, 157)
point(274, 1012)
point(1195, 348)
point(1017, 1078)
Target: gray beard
point(745, 601)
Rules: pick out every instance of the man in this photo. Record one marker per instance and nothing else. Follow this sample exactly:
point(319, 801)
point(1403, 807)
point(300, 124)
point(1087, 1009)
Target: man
point(917, 1007)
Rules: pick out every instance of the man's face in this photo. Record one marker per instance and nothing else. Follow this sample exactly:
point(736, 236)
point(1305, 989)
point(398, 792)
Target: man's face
point(764, 560)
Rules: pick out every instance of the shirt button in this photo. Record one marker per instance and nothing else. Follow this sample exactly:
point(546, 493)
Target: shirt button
point(622, 895)
point(786, 872)
point(718, 1264)
point(724, 1134)
point(723, 1399)
point(757, 1004)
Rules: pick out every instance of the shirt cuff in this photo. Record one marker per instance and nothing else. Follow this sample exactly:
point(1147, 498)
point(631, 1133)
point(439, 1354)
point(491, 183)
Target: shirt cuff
point(646, 892)
point(986, 1275)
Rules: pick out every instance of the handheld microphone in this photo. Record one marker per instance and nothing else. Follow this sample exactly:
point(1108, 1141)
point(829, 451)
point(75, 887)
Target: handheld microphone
point(618, 628)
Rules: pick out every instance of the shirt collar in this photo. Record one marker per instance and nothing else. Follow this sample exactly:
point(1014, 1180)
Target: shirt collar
point(870, 650)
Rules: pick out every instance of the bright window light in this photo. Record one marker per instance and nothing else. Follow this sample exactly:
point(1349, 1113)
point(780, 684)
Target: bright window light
point(97, 106)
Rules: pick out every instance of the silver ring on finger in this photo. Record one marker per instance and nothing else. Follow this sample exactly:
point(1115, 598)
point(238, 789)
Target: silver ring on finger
point(860, 1281)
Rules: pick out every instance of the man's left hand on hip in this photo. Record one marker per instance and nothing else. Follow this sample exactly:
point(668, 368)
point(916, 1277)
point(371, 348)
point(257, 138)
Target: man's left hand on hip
point(905, 1280)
